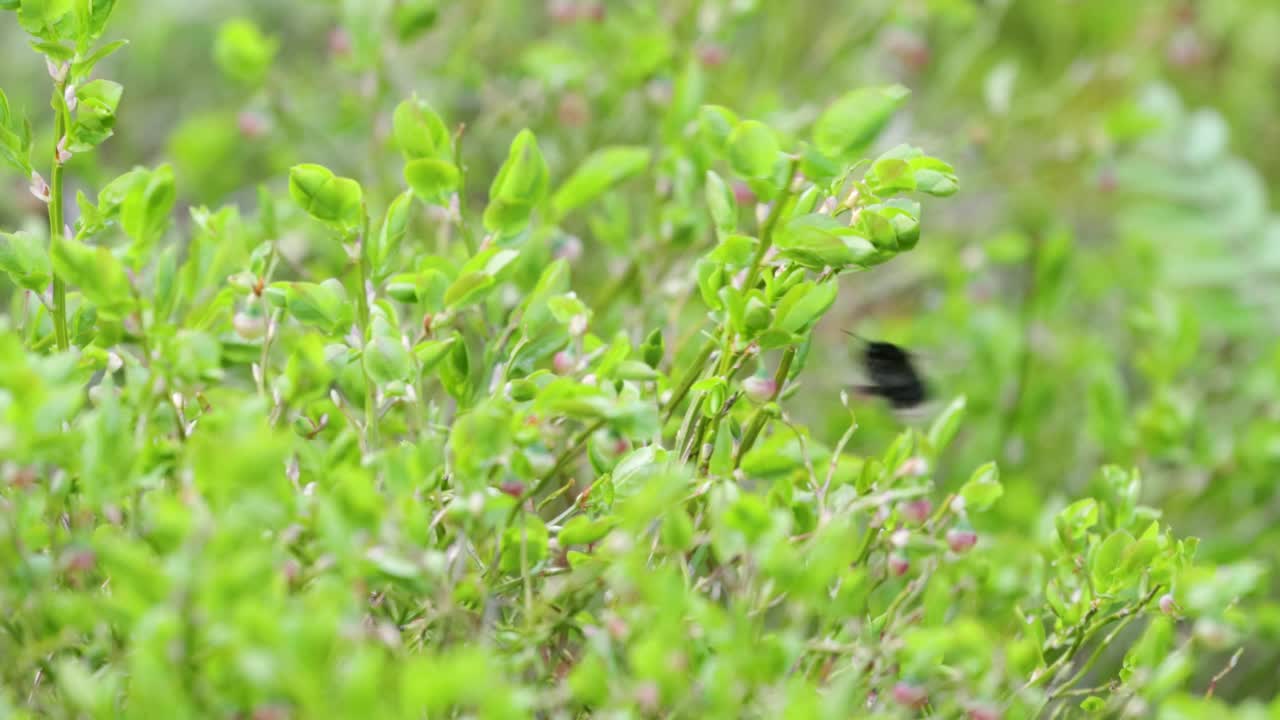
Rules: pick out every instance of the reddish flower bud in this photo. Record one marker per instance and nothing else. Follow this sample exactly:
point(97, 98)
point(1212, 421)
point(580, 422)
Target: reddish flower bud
point(909, 695)
point(759, 389)
point(881, 514)
point(899, 564)
point(339, 41)
point(917, 511)
point(1168, 605)
point(712, 55)
point(909, 48)
point(913, 467)
point(562, 363)
point(1107, 181)
point(961, 540)
point(983, 711)
point(39, 188)
point(743, 195)
point(514, 488)
point(648, 697)
point(562, 12)
point(572, 110)
point(251, 124)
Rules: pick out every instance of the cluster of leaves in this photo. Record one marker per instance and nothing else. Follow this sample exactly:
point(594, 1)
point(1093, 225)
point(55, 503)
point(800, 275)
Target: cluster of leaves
point(363, 450)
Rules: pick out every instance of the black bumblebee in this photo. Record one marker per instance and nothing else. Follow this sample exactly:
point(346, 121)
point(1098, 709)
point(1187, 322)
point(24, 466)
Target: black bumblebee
point(892, 375)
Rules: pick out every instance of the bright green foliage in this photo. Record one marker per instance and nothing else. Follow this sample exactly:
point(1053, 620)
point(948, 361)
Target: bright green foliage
point(549, 415)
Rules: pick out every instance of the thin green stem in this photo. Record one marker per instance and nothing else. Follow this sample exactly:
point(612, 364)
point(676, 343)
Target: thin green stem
point(695, 370)
point(760, 417)
point(56, 222)
point(766, 231)
point(362, 305)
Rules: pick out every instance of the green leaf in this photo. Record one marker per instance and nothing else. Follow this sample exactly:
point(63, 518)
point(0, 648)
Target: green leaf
point(852, 122)
point(15, 138)
point(243, 52)
point(721, 203)
point(944, 427)
point(325, 196)
point(431, 352)
point(753, 149)
point(934, 177)
point(1076, 519)
point(804, 305)
point(819, 241)
point(386, 360)
point(322, 305)
point(601, 170)
point(144, 214)
point(582, 530)
point(24, 259)
point(478, 277)
point(982, 489)
point(97, 273)
point(54, 51)
point(524, 544)
point(419, 131)
point(414, 17)
point(519, 187)
point(92, 16)
point(715, 124)
point(384, 246)
point(432, 179)
point(85, 65)
point(39, 16)
point(891, 175)
point(95, 114)
point(1106, 559)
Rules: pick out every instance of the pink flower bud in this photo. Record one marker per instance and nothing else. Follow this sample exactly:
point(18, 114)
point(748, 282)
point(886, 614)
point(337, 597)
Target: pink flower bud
point(569, 249)
point(69, 97)
point(39, 188)
point(913, 467)
point(909, 695)
point(759, 389)
point(1107, 181)
point(514, 488)
point(251, 124)
point(1186, 49)
point(339, 41)
point(562, 363)
point(572, 111)
point(62, 155)
point(659, 91)
point(882, 514)
point(577, 325)
point(983, 711)
point(57, 72)
point(648, 697)
point(742, 194)
point(961, 540)
point(909, 48)
point(899, 565)
point(562, 12)
point(917, 511)
point(712, 55)
point(1168, 605)
point(248, 327)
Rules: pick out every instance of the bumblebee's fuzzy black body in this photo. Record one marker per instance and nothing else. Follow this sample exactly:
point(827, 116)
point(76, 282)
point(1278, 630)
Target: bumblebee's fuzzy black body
point(892, 375)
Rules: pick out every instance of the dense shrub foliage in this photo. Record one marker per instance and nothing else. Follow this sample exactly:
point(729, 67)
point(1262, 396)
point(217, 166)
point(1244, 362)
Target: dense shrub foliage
point(415, 359)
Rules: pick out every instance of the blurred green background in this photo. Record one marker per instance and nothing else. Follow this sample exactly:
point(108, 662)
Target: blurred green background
point(1102, 290)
